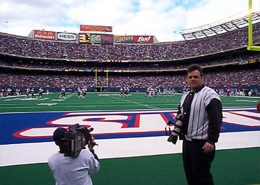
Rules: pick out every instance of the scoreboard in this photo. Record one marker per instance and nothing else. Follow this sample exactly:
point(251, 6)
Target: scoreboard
point(84, 38)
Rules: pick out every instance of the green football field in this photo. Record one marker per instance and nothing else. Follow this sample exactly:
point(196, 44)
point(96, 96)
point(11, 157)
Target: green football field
point(230, 167)
point(106, 101)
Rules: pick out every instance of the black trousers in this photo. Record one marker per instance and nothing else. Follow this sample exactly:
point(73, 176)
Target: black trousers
point(197, 163)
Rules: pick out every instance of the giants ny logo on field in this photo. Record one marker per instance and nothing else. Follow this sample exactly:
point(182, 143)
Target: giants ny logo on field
point(109, 125)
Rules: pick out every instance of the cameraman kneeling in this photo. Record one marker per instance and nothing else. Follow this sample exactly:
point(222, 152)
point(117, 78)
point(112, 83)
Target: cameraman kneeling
point(69, 170)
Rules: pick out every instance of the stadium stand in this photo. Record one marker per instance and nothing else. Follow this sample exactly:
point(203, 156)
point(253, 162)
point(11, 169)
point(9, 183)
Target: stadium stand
point(27, 62)
point(26, 47)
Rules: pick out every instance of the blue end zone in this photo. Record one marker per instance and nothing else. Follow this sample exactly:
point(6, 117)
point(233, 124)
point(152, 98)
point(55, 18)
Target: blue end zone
point(12, 123)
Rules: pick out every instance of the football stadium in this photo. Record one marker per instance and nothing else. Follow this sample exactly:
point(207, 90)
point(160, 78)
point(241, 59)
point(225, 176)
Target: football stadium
point(127, 87)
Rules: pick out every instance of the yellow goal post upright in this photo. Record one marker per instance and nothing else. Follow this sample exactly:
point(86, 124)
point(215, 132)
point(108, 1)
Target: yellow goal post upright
point(250, 45)
point(97, 86)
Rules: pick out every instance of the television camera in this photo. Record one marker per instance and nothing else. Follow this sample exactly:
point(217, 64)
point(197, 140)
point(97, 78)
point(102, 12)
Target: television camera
point(75, 139)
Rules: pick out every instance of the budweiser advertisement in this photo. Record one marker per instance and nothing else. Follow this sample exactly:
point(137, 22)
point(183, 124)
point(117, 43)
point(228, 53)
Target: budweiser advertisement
point(140, 39)
point(45, 35)
point(94, 28)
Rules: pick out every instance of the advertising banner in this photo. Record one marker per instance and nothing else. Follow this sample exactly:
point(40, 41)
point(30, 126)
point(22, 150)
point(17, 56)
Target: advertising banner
point(145, 39)
point(107, 39)
point(140, 39)
point(124, 38)
point(111, 60)
point(95, 38)
point(66, 36)
point(45, 35)
point(95, 28)
point(252, 61)
point(242, 62)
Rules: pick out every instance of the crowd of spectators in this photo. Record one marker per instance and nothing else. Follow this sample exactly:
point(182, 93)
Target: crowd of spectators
point(243, 77)
point(144, 66)
point(28, 47)
point(171, 54)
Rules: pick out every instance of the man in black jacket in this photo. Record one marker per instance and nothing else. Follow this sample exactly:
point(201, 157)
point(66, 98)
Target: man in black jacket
point(199, 119)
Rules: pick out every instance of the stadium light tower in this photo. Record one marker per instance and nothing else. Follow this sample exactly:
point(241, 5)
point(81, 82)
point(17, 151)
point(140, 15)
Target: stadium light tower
point(250, 45)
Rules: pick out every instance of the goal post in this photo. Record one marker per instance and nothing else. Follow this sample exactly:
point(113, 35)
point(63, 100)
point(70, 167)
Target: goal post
point(250, 45)
point(101, 86)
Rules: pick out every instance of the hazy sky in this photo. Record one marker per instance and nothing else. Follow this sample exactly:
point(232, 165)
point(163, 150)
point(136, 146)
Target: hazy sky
point(161, 18)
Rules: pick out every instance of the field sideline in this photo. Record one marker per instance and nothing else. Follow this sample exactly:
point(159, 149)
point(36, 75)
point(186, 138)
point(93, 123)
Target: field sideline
point(136, 154)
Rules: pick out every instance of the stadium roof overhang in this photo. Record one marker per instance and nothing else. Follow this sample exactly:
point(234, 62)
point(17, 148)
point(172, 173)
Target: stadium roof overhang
point(219, 27)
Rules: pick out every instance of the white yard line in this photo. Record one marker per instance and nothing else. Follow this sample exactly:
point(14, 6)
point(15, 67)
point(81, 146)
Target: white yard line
point(140, 104)
point(30, 153)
